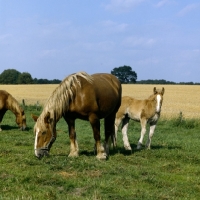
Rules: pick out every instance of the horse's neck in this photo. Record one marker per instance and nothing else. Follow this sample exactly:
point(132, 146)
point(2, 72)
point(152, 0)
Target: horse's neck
point(13, 105)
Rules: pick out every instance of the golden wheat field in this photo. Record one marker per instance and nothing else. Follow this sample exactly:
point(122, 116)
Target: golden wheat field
point(177, 98)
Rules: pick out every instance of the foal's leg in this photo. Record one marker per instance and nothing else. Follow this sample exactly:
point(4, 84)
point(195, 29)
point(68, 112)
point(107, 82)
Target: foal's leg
point(118, 121)
point(125, 123)
point(72, 135)
point(95, 123)
point(143, 123)
point(151, 131)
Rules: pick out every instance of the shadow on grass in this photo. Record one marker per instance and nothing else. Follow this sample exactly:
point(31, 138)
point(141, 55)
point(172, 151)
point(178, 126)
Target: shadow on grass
point(8, 128)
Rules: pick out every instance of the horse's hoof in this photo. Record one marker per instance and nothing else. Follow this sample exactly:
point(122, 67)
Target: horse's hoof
point(74, 154)
point(102, 156)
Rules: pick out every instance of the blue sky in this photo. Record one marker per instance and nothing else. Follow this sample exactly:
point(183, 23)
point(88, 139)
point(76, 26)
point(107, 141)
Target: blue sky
point(159, 39)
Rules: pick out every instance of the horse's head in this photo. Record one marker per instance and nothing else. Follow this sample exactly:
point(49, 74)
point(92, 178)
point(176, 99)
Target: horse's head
point(45, 134)
point(158, 97)
point(21, 119)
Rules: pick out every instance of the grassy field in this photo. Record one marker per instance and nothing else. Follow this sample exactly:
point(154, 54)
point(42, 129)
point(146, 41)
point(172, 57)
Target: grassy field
point(170, 170)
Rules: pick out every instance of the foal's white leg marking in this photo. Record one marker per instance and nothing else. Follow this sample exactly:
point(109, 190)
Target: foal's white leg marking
point(117, 122)
point(125, 137)
point(143, 131)
point(151, 131)
point(158, 103)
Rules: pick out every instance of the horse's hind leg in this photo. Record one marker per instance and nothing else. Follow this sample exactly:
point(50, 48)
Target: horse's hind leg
point(125, 123)
point(151, 132)
point(72, 135)
point(95, 123)
point(109, 129)
point(143, 123)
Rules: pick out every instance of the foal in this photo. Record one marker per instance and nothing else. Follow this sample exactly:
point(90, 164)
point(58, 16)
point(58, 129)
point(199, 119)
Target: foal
point(143, 111)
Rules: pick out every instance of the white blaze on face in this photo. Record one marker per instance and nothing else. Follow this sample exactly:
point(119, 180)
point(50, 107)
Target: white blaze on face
point(158, 103)
point(36, 139)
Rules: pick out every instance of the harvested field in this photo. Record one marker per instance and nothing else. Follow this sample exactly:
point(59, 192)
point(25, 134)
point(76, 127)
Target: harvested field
point(177, 98)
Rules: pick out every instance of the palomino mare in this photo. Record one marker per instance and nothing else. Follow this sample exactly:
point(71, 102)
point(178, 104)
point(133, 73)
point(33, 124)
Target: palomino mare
point(79, 96)
point(143, 111)
point(8, 102)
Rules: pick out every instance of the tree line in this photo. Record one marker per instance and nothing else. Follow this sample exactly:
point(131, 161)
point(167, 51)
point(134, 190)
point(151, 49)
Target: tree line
point(12, 76)
point(124, 73)
point(127, 76)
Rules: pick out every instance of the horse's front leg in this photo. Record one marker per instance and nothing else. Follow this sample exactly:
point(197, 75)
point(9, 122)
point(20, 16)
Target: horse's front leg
point(95, 123)
point(151, 132)
point(72, 135)
point(143, 123)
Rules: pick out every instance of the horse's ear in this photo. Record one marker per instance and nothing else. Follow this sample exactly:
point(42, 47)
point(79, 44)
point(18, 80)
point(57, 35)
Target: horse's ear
point(22, 110)
point(154, 90)
point(47, 118)
point(34, 117)
point(163, 90)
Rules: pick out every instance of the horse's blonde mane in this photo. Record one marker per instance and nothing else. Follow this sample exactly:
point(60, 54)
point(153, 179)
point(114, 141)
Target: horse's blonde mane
point(59, 100)
point(13, 105)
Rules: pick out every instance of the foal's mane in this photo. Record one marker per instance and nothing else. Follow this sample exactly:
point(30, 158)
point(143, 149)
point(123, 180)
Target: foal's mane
point(59, 100)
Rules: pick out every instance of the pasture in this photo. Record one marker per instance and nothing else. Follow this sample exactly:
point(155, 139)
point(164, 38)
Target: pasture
point(170, 170)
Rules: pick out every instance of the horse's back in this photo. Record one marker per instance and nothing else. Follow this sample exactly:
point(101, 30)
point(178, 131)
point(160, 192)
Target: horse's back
point(107, 86)
point(102, 96)
point(3, 98)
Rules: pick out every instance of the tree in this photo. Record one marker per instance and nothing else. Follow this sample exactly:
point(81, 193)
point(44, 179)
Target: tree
point(9, 76)
point(25, 78)
point(125, 74)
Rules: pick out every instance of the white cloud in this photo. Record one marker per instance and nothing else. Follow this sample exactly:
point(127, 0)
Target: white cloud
point(113, 26)
point(162, 3)
point(135, 41)
point(122, 5)
point(5, 38)
point(188, 9)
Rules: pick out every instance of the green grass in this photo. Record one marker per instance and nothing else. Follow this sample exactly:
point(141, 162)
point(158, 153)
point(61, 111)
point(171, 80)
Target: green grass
point(170, 170)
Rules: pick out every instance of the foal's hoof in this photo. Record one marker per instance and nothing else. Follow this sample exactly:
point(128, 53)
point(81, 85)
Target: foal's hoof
point(139, 146)
point(128, 148)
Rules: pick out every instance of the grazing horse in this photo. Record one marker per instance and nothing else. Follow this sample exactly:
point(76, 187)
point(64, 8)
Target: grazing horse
point(143, 111)
point(8, 102)
point(79, 96)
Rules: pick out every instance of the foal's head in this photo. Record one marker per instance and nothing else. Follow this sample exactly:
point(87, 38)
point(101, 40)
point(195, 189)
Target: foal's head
point(158, 97)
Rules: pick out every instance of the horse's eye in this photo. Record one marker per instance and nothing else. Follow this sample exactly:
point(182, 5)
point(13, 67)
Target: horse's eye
point(43, 133)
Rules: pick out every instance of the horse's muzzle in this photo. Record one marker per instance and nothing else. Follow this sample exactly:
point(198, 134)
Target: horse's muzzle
point(22, 128)
point(39, 153)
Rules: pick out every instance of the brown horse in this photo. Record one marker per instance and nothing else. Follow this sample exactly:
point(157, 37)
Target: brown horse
point(79, 96)
point(8, 102)
point(143, 111)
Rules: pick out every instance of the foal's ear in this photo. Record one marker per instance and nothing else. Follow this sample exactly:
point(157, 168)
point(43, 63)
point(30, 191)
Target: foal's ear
point(163, 90)
point(34, 117)
point(154, 90)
